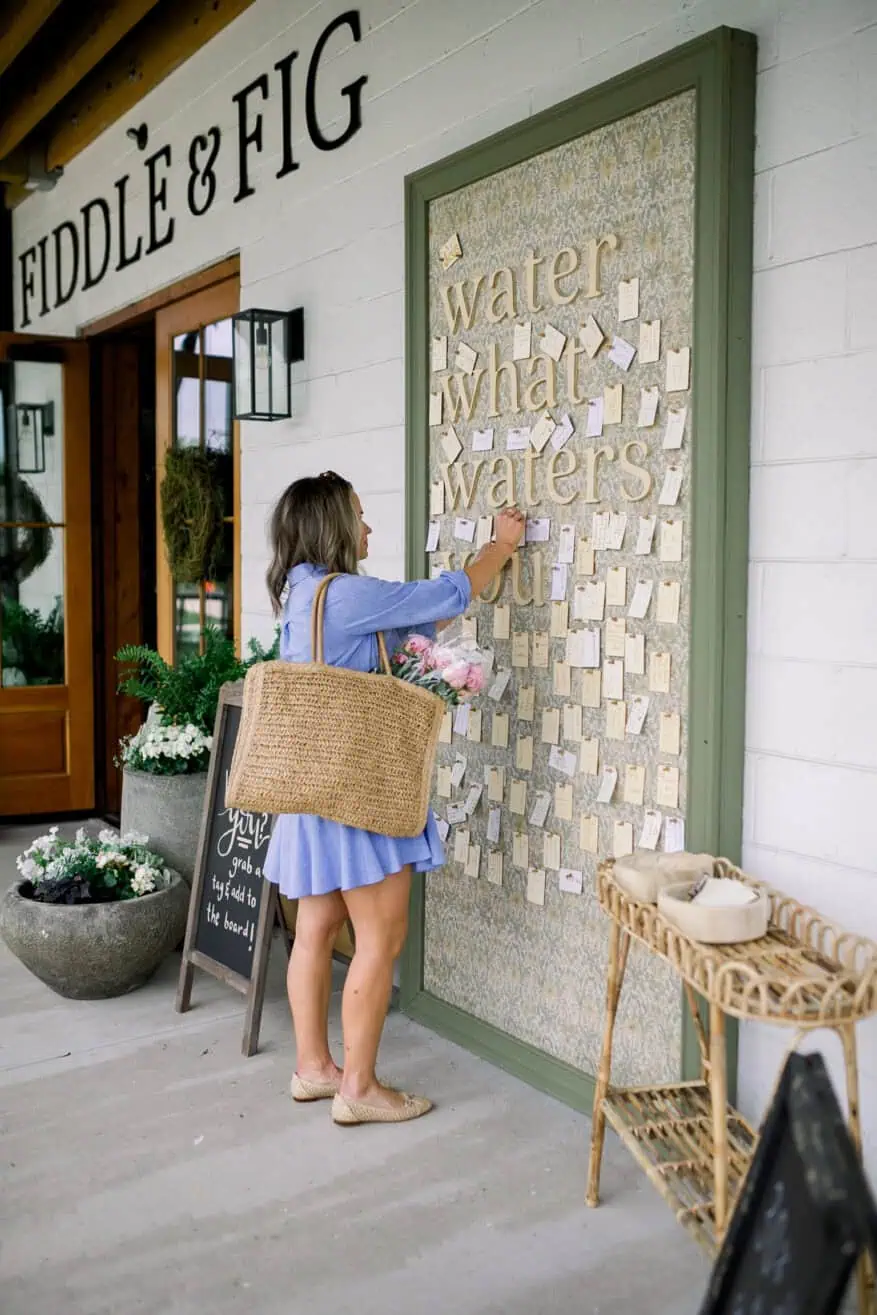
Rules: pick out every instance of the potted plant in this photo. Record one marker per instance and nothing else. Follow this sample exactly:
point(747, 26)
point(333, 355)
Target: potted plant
point(164, 766)
point(93, 917)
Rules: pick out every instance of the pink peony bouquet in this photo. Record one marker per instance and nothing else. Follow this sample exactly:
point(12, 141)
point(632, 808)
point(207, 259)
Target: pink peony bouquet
point(455, 670)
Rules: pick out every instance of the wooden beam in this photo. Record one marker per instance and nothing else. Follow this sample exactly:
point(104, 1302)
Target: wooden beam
point(23, 21)
point(39, 92)
point(140, 311)
point(167, 39)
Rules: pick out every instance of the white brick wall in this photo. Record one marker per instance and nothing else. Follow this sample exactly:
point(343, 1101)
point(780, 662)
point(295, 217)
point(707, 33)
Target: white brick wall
point(330, 237)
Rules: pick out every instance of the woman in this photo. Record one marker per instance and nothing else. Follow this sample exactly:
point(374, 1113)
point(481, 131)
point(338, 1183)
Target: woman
point(336, 871)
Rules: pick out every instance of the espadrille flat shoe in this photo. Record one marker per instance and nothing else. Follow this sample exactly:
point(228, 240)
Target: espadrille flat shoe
point(303, 1090)
point(351, 1112)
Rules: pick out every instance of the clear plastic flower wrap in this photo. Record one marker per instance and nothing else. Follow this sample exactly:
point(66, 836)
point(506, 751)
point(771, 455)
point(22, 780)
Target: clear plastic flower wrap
point(451, 666)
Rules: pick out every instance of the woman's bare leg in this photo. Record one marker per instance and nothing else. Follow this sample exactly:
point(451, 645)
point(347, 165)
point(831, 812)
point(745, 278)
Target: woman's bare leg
point(309, 982)
point(380, 922)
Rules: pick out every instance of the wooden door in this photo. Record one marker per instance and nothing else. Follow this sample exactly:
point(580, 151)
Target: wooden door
point(193, 375)
point(46, 675)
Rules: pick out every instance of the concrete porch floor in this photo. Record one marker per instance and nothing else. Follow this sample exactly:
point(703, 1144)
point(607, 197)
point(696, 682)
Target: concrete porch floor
point(148, 1169)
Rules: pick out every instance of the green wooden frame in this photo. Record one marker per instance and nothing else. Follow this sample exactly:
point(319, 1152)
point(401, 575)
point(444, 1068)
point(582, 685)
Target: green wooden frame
point(720, 67)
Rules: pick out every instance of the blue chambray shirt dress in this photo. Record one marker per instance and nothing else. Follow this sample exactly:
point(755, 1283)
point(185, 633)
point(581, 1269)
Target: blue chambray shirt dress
point(310, 855)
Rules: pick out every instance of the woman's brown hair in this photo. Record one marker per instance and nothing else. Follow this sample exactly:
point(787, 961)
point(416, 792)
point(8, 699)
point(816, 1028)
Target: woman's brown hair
point(314, 521)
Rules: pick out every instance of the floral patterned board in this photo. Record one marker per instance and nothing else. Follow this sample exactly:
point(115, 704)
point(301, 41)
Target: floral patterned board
point(535, 274)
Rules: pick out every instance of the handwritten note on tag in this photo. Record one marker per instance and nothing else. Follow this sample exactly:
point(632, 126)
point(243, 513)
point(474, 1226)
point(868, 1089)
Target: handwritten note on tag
point(613, 678)
point(437, 498)
point(551, 851)
point(671, 541)
point(559, 579)
point(474, 732)
point(482, 440)
point(495, 784)
point(499, 731)
point(648, 407)
point(589, 601)
point(659, 673)
point(541, 649)
point(616, 719)
point(616, 637)
point(634, 784)
point(671, 488)
point(466, 358)
point(563, 799)
point(628, 299)
point(522, 342)
point(667, 790)
point(669, 594)
point(473, 861)
point(635, 654)
point(539, 811)
point(591, 336)
point(559, 623)
point(589, 834)
point(562, 679)
point(443, 782)
point(435, 409)
point(651, 830)
point(615, 531)
point(572, 722)
point(446, 730)
point(501, 620)
point(518, 798)
point(675, 429)
point(432, 538)
point(563, 432)
point(550, 725)
point(613, 398)
point(537, 530)
point(518, 439)
point(521, 850)
point(591, 688)
point(616, 586)
point(461, 718)
point(561, 760)
point(494, 868)
point(524, 753)
point(521, 648)
point(622, 353)
point(583, 648)
point(461, 845)
point(464, 530)
point(595, 418)
point(607, 785)
point(622, 839)
point(439, 354)
point(636, 717)
point(649, 341)
point(500, 685)
point(536, 886)
point(552, 342)
point(585, 561)
point(484, 533)
point(570, 881)
point(645, 535)
point(642, 597)
point(674, 835)
point(678, 370)
point(494, 820)
point(451, 445)
point(542, 431)
point(670, 733)
point(589, 756)
point(450, 251)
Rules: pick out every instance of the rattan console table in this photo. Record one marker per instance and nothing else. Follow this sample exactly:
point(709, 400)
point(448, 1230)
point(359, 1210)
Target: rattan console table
point(804, 974)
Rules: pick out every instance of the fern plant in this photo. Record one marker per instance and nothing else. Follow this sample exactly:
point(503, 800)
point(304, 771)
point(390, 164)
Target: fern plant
point(188, 693)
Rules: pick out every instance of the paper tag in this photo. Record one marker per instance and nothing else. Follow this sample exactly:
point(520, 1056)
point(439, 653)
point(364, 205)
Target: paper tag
point(542, 431)
point(671, 488)
point(615, 531)
point(500, 685)
point(451, 445)
point(613, 398)
point(599, 530)
point(566, 549)
point(591, 336)
point(443, 782)
point(550, 725)
point(651, 830)
point(563, 432)
point(642, 597)
point(589, 834)
point(461, 845)
point(675, 429)
point(484, 532)
point(499, 732)
point(450, 251)
point(613, 678)
point(645, 535)
point(501, 617)
point(616, 586)
point(439, 354)
point(678, 370)
point(589, 756)
point(636, 717)
point(518, 439)
point(473, 861)
point(667, 787)
point(561, 760)
point(670, 733)
point(537, 530)
point(521, 850)
point(435, 409)
point(634, 784)
point(521, 648)
point(482, 440)
point(437, 498)
point(494, 820)
point(536, 886)
point(671, 541)
point(443, 828)
point(648, 407)
point(456, 814)
point(495, 784)
point(622, 353)
point(622, 839)
point(589, 601)
point(628, 299)
point(524, 753)
point(559, 622)
point(461, 719)
point(635, 655)
point(526, 702)
point(616, 719)
point(607, 785)
point(674, 835)
point(562, 679)
point(464, 529)
point(541, 649)
point(659, 673)
point(539, 811)
point(494, 868)
point(474, 732)
point(585, 564)
point(522, 342)
point(563, 802)
point(583, 648)
point(518, 798)
point(551, 851)
point(432, 538)
point(572, 723)
point(616, 636)
point(649, 341)
point(458, 771)
point(473, 798)
point(559, 578)
point(570, 881)
point(592, 682)
point(465, 358)
point(552, 342)
point(595, 418)
point(669, 594)
point(446, 730)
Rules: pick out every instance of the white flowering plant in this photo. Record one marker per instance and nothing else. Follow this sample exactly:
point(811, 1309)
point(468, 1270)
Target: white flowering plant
point(90, 869)
point(165, 748)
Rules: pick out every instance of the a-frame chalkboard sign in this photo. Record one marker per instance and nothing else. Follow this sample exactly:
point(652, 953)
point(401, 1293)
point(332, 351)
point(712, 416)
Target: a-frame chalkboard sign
point(806, 1214)
point(233, 908)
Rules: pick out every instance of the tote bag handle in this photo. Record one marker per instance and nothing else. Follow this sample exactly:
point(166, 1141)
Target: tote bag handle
point(317, 611)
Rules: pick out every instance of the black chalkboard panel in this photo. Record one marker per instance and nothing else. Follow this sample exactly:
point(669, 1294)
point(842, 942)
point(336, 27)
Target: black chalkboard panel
point(233, 854)
point(233, 908)
point(806, 1213)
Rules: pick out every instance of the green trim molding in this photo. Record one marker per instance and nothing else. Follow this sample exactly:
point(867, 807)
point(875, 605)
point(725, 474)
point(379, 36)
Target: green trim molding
point(720, 68)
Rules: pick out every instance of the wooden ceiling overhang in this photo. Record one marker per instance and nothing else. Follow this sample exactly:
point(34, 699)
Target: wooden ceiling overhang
point(69, 69)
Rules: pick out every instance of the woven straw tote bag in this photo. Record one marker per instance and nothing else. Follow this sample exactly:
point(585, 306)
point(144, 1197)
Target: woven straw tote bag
point(352, 746)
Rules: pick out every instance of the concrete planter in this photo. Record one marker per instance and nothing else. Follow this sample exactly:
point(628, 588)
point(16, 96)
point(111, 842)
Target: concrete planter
point(94, 951)
point(168, 810)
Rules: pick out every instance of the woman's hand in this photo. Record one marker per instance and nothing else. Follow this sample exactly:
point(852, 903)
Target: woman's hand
point(509, 528)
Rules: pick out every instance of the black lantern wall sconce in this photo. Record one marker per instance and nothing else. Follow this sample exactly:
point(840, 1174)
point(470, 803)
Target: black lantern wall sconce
point(264, 345)
point(34, 423)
